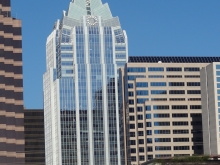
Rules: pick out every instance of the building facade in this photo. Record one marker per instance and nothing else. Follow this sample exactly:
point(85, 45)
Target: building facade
point(82, 119)
point(34, 136)
point(162, 106)
point(11, 88)
point(210, 85)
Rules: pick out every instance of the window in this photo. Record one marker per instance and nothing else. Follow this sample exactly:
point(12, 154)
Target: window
point(161, 107)
point(139, 109)
point(142, 69)
point(132, 134)
point(196, 123)
point(176, 92)
point(193, 92)
point(148, 116)
point(181, 147)
point(120, 48)
point(66, 48)
point(66, 55)
point(174, 76)
point(177, 99)
point(217, 66)
point(141, 84)
point(177, 123)
point(66, 63)
point(155, 69)
point(161, 131)
point(197, 132)
point(196, 115)
point(149, 140)
point(176, 83)
point(162, 155)
point(194, 99)
point(159, 99)
point(68, 71)
point(130, 93)
point(193, 83)
point(162, 140)
point(140, 125)
point(162, 148)
point(149, 132)
point(155, 76)
point(140, 133)
point(140, 141)
point(218, 79)
point(134, 77)
point(133, 158)
point(191, 69)
point(195, 107)
point(133, 142)
point(131, 102)
point(66, 31)
point(130, 85)
point(148, 108)
point(198, 147)
point(141, 93)
point(148, 124)
point(120, 56)
point(180, 139)
point(149, 149)
point(158, 92)
point(149, 157)
point(179, 115)
point(141, 100)
point(132, 126)
point(131, 110)
point(133, 150)
point(141, 149)
point(161, 123)
point(178, 155)
point(131, 118)
point(197, 139)
point(140, 117)
point(218, 73)
point(179, 107)
point(163, 115)
point(161, 84)
point(174, 69)
point(182, 131)
point(141, 158)
point(192, 76)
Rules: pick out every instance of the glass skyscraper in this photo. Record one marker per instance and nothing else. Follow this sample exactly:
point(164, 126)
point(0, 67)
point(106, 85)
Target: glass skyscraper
point(83, 54)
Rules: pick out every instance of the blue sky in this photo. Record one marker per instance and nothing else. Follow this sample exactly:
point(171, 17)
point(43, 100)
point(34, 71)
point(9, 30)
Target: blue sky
point(154, 28)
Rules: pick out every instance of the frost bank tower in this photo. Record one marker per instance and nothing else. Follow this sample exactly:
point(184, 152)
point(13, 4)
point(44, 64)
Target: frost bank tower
point(83, 54)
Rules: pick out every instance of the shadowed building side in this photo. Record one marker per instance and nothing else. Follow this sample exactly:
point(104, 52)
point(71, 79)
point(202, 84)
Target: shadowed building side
point(34, 136)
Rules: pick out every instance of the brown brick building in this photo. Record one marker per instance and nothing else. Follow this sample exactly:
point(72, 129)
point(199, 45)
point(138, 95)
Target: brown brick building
point(11, 88)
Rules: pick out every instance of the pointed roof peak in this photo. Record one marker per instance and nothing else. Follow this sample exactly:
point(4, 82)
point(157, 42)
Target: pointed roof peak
point(79, 8)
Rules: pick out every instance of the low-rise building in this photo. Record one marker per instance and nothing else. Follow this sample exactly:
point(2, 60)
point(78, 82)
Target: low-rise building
point(162, 107)
point(34, 136)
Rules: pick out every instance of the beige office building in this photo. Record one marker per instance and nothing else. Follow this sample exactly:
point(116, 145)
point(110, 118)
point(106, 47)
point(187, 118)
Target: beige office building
point(162, 107)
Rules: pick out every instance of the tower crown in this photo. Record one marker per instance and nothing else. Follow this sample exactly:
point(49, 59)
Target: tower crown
point(79, 8)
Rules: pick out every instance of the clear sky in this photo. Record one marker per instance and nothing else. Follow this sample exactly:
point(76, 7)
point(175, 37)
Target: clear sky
point(154, 28)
